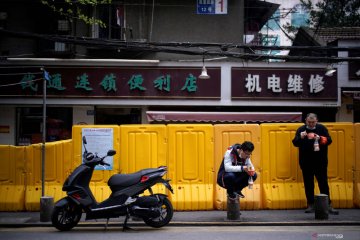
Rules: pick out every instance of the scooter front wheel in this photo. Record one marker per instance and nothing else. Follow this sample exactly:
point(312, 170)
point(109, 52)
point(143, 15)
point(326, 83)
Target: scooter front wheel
point(166, 214)
point(66, 217)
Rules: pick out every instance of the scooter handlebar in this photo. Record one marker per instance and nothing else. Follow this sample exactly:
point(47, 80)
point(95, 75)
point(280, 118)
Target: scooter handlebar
point(94, 159)
point(98, 161)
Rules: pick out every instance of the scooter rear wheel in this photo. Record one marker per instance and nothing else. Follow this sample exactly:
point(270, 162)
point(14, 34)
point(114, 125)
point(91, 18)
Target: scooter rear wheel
point(66, 217)
point(165, 217)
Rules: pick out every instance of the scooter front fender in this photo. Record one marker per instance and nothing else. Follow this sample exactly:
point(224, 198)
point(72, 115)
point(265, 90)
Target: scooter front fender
point(64, 201)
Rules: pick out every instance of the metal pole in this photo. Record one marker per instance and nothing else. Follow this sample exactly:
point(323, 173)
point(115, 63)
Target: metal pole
point(46, 203)
point(233, 208)
point(321, 206)
point(43, 140)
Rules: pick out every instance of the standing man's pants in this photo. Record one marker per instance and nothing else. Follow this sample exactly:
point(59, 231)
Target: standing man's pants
point(321, 176)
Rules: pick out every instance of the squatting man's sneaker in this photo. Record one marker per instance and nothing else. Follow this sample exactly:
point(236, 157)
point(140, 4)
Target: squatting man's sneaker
point(239, 193)
point(231, 196)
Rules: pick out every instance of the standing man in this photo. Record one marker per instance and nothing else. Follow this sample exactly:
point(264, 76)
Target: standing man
point(236, 168)
point(313, 139)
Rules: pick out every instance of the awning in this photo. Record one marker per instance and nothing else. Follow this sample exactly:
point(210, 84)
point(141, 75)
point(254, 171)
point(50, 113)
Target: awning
point(257, 13)
point(354, 94)
point(243, 117)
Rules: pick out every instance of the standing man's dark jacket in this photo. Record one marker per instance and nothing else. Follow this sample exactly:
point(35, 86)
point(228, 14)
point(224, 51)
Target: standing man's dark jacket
point(307, 155)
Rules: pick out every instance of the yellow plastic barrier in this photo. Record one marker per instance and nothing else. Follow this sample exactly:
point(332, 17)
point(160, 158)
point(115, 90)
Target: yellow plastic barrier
point(12, 178)
point(226, 135)
point(191, 162)
point(281, 176)
point(61, 167)
point(357, 165)
point(143, 146)
point(58, 164)
point(341, 163)
point(98, 184)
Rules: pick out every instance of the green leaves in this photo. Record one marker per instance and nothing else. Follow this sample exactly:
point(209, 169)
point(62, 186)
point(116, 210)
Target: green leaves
point(71, 9)
point(329, 13)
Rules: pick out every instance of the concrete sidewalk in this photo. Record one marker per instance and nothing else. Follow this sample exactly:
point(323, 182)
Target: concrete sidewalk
point(202, 218)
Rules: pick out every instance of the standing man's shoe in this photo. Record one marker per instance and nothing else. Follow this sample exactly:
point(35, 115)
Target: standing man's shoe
point(333, 211)
point(310, 208)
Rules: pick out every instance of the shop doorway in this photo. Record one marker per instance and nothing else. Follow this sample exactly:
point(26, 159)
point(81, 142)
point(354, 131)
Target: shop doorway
point(29, 124)
point(356, 110)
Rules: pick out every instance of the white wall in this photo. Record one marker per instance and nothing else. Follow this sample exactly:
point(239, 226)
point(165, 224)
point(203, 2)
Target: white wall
point(7, 119)
point(343, 67)
point(344, 114)
point(83, 115)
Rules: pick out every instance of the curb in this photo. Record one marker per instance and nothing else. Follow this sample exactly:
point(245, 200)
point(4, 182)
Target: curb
point(189, 224)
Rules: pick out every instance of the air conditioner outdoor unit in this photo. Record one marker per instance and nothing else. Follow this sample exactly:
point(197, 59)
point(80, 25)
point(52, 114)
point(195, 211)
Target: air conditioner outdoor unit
point(60, 47)
point(63, 26)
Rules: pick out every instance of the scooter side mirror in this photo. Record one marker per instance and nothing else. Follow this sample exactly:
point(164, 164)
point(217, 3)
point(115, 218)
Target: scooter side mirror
point(111, 153)
point(84, 140)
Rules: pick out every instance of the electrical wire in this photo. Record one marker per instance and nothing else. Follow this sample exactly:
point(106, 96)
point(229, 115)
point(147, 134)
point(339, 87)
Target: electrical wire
point(20, 83)
point(193, 48)
point(87, 41)
point(17, 67)
point(9, 74)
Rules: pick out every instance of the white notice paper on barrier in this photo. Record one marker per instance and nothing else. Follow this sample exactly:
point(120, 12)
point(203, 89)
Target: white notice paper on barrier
point(99, 141)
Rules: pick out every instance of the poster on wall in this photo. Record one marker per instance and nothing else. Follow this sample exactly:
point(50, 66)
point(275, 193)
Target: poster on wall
point(99, 141)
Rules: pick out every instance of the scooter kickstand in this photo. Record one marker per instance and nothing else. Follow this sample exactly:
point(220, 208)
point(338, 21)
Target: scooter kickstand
point(125, 226)
point(106, 224)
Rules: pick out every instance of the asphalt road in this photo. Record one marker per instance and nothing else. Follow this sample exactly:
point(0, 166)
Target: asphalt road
point(186, 233)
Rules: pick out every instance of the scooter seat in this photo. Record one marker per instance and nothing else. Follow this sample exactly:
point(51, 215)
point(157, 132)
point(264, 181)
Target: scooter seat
point(125, 180)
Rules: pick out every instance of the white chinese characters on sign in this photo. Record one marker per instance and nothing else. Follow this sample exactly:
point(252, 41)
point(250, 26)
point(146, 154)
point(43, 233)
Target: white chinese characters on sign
point(252, 83)
point(316, 83)
point(294, 83)
point(274, 83)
